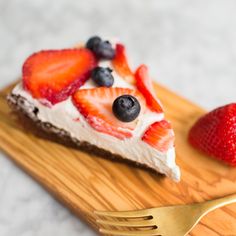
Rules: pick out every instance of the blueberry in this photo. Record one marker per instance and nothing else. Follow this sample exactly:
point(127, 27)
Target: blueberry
point(102, 76)
point(93, 42)
point(126, 108)
point(104, 50)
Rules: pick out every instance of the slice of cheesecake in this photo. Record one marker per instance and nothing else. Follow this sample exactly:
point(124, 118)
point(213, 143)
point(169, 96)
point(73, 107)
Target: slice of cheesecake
point(90, 97)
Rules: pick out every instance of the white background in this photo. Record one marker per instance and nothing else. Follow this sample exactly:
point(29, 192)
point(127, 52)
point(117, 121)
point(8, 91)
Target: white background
point(190, 46)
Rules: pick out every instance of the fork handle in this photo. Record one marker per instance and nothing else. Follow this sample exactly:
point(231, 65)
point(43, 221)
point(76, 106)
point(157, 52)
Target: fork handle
point(216, 203)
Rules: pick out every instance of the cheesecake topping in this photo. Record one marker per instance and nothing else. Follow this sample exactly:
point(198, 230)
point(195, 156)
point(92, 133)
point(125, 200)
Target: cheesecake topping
point(112, 102)
point(102, 76)
point(102, 49)
point(54, 75)
point(126, 108)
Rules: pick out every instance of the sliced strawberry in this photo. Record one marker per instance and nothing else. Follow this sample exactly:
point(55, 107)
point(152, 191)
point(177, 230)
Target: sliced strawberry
point(160, 136)
point(56, 74)
point(144, 85)
point(121, 66)
point(215, 134)
point(96, 106)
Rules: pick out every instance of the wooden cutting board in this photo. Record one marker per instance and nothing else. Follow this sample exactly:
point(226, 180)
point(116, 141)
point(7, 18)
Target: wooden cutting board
point(84, 182)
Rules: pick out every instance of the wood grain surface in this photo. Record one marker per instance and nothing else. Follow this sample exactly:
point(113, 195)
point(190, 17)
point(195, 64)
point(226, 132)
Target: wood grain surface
point(84, 182)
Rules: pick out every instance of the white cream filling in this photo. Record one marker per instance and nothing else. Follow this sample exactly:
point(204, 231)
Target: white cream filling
point(64, 115)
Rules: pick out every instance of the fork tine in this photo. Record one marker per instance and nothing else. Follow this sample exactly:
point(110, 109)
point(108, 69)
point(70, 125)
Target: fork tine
point(129, 233)
point(124, 214)
point(140, 223)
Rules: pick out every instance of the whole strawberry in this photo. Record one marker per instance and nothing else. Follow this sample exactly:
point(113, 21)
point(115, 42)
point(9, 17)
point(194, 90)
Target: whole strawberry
point(215, 134)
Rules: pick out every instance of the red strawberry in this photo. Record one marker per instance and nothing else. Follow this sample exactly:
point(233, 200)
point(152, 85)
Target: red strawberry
point(215, 134)
point(120, 64)
point(160, 136)
point(56, 74)
point(144, 85)
point(96, 106)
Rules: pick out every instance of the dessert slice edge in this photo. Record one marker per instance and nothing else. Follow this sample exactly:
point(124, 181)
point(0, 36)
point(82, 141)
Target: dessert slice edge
point(90, 98)
point(27, 112)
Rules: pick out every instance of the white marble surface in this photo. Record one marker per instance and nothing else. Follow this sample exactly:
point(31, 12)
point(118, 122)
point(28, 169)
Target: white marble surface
point(189, 46)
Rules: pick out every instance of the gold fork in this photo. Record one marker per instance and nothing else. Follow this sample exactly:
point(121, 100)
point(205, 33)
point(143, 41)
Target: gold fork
point(167, 221)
